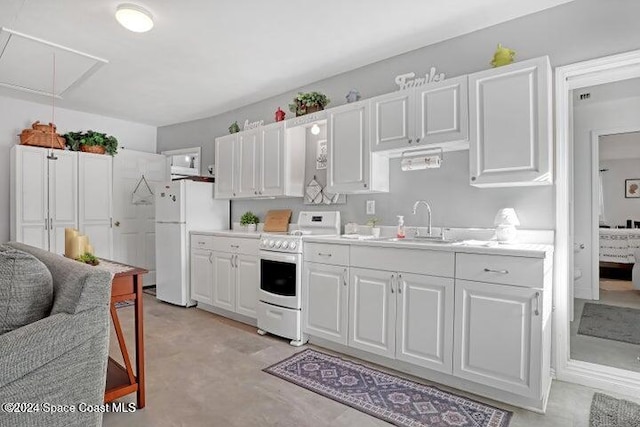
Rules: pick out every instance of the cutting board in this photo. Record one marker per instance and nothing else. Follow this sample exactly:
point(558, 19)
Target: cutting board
point(277, 221)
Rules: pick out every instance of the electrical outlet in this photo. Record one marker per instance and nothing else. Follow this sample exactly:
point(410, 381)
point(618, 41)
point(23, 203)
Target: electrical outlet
point(371, 207)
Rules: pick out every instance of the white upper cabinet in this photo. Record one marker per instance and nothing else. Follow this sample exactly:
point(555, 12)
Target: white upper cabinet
point(95, 172)
point(442, 112)
point(258, 163)
point(392, 120)
point(511, 125)
point(248, 174)
point(225, 161)
point(435, 113)
point(351, 166)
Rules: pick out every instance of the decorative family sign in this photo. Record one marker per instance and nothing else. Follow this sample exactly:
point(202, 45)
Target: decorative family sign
point(409, 80)
point(252, 125)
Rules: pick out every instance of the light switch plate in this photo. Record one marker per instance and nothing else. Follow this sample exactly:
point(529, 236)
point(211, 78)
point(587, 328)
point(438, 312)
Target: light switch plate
point(371, 207)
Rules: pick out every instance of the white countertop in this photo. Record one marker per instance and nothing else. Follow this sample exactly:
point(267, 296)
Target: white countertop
point(529, 250)
point(229, 233)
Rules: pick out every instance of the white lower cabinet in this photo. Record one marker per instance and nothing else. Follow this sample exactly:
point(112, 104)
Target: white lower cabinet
point(226, 280)
point(424, 322)
point(499, 336)
point(326, 301)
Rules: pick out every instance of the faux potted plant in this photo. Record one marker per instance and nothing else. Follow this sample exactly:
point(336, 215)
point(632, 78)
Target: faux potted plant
point(88, 258)
point(310, 102)
point(375, 231)
point(92, 142)
point(250, 221)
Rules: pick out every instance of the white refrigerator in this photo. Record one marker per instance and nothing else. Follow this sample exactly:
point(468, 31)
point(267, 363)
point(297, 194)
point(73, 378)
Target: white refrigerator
point(182, 206)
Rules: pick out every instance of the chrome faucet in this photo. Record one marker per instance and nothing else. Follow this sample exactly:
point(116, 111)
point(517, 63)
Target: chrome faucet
point(415, 209)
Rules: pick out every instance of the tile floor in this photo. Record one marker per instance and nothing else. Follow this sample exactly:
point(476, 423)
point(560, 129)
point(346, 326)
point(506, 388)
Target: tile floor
point(205, 370)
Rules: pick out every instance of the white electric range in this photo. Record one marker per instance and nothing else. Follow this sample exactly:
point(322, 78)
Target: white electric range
point(280, 295)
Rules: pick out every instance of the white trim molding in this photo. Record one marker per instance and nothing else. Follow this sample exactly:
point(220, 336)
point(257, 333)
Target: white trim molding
point(583, 74)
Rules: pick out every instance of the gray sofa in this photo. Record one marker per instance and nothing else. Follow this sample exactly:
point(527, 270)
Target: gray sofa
point(60, 359)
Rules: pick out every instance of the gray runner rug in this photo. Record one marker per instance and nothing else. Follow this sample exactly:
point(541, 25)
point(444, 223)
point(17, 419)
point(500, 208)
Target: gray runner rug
point(607, 411)
point(610, 322)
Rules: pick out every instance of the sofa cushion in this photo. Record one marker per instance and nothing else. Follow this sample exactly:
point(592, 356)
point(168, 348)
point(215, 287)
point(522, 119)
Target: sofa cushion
point(26, 289)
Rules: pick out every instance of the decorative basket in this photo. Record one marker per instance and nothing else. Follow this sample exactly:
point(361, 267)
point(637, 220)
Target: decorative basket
point(310, 110)
point(42, 136)
point(95, 149)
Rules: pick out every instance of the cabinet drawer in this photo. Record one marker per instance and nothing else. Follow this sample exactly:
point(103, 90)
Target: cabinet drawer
point(201, 241)
point(326, 253)
point(507, 270)
point(235, 245)
point(419, 261)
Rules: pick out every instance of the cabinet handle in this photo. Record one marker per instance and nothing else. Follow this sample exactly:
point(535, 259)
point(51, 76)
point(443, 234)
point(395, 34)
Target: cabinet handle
point(399, 283)
point(344, 277)
point(537, 310)
point(46, 224)
point(410, 140)
point(323, 254)
point(235, 246)
point(260, 192)
point(50, 223)
point(201, 243)
point(488, 270)
point(393, 276)
point(473, 178)
point(417, 140)
point(210, 257)
point(255, 192)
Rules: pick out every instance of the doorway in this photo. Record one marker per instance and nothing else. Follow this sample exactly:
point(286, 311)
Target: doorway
point(579, 294)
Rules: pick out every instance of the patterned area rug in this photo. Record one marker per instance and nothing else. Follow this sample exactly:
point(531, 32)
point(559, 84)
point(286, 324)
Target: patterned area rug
point(390, 398)
point(607, 411)
point(610, 322)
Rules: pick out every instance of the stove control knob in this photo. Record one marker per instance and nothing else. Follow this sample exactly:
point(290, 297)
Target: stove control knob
point(285, 245)
point(292, 245)
point(271, 243)
point(278, 244)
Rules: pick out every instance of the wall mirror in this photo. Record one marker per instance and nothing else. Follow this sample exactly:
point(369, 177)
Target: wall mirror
point(184, 162)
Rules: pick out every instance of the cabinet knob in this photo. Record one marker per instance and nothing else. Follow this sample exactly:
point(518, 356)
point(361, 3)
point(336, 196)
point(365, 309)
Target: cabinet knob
point(255, 192)
point(473, 178)
point(410, 140)
point(417, 140)
point(117, 223)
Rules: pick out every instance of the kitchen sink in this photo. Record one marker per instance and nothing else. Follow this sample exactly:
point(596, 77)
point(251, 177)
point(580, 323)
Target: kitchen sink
point(424, 240)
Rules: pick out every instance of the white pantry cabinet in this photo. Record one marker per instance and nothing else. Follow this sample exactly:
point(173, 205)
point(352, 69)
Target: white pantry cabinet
point(499, 336)
point(225, 273)
point(95, 198)
point(435, 113)
point(511, 125)
point(259, 163)
point(351, 165)
point(44, 196)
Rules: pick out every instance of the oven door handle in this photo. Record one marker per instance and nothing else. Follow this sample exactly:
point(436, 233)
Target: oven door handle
point(279, 257)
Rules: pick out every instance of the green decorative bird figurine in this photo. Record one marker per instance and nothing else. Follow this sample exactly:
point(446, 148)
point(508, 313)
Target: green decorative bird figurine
point(503, 56)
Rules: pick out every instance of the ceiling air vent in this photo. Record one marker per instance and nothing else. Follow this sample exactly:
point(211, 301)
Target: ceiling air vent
point(26, 64)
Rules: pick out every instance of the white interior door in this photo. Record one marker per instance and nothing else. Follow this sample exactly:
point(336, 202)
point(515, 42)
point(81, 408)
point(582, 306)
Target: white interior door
point(134, 229)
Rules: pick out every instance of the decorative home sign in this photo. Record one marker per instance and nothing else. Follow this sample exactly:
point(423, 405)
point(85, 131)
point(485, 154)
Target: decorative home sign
point(632, 188)
point(321, 155)
point(408, 80)
point(252, 125)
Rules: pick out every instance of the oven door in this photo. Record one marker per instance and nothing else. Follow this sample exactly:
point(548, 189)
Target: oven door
point(280, 279)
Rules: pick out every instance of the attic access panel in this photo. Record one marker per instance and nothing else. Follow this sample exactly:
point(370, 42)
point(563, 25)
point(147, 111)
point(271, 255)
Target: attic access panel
point(26, 64)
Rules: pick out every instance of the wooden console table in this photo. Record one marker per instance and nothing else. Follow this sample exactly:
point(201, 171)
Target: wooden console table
point(121, 380)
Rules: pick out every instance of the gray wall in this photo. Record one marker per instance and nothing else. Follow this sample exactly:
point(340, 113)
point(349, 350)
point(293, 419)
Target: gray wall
point(576, 31)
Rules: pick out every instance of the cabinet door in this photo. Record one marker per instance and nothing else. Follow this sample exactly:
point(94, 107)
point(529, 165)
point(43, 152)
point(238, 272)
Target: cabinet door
point(510, 110)
point(271, 156)
point(248, 173)
point(224, 278)
point(225, 162)
point(30, 197)
point(63, 197)
point(372, 311)
point(202, 275)
point(442, 113)
point(499, 336)
point(95, 201)
point(392, 121)
point(424, 326)
point(247, 284)
point(348, 148)
point(326, 301)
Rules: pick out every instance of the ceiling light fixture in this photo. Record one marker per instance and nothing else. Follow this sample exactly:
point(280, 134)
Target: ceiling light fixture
point(315, 129)
point(134, 18)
